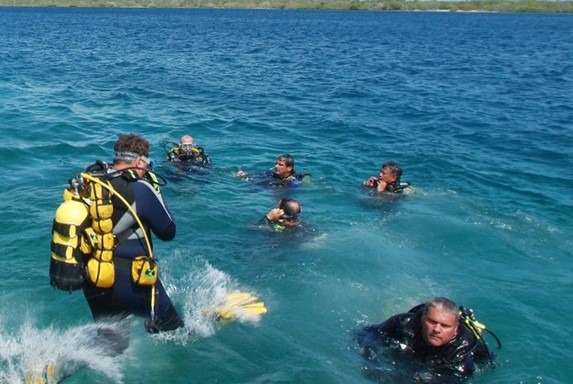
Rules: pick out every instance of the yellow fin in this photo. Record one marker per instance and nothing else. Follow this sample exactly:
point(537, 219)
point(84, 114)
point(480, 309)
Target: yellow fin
point(236, 304)
point(46, 376)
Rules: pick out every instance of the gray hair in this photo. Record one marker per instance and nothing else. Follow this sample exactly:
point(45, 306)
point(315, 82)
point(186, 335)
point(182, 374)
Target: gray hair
point(444, 305)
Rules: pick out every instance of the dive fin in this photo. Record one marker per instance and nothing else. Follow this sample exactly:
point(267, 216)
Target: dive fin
point(237, 304)
point(46, 376)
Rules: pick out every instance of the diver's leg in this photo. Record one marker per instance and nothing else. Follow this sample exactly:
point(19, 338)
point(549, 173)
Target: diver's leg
point(113, 323)
point(113, 335)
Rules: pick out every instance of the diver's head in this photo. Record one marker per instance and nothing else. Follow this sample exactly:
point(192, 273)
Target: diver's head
point(284, 165)
point(291, 209)
point(186, 144)
point(132, 151)
point(440, 321)
point(390, 172)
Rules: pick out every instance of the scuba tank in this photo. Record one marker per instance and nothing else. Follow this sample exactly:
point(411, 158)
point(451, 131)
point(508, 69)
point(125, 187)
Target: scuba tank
point(68, 250)
point(82, 236)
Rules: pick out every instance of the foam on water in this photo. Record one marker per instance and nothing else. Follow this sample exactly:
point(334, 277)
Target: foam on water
point(30, 350)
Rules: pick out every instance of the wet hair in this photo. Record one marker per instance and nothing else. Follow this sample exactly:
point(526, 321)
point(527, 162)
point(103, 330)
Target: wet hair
point(394, 167)
point(290, 207)
point(288, 159)
point(131, 142)
point(444, 305)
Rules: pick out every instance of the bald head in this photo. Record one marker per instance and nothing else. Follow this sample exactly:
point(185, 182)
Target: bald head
point(186, 144)
point(186, 139)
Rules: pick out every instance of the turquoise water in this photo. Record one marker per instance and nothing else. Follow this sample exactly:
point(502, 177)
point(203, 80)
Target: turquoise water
point(477, 108)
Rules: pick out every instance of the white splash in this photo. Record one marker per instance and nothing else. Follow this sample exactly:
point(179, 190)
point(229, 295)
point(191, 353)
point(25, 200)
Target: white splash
point(197, 293)
point(29, 353)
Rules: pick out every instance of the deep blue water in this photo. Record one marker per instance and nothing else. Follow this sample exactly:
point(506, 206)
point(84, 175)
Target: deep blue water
point(477, 108)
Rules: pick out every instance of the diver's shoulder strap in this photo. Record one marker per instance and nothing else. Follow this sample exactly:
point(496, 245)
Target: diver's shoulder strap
point(99, 168)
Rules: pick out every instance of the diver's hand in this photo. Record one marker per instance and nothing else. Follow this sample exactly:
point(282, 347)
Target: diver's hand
point(150, 326)
point(275, 214)
point(372, 182)
point(381, 187)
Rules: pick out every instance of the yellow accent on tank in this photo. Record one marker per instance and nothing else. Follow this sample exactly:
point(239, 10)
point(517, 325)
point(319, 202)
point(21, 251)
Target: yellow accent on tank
point(58, 238)
point(71, 212)
point(66, 260)
point(70, 242)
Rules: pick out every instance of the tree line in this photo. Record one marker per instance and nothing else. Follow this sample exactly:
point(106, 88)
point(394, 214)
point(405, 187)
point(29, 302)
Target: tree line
point(526, 6)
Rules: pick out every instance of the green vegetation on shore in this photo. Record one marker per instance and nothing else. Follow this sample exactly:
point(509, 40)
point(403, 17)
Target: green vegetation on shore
point(365, 5)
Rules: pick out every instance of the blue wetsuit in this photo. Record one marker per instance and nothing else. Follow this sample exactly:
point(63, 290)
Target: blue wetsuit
point(126, 297)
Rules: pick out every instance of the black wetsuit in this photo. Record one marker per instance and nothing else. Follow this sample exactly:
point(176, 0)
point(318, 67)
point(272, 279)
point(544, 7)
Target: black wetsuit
point(294, 179)
point(126, 297)
point(402, 335)
point(394, 187)
point(196, 157)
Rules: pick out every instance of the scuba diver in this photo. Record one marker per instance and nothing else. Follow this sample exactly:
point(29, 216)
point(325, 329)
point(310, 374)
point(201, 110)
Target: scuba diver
point(284, 216)
point(439, 341)
point(282, 174)
point(388, 180)
point(282, 228)
point(186, 153)
point(108, 252)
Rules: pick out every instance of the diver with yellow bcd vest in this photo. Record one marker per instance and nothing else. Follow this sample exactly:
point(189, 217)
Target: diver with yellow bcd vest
point(101, 243)
point(186, 153)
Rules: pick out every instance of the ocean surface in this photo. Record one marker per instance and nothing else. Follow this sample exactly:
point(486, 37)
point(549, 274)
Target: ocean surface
point(476, 107)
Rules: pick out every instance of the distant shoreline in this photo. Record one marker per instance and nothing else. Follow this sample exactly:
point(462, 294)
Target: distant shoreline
point(518, 6)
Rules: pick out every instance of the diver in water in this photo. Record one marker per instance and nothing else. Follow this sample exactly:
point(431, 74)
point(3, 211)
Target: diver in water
point(388, 180)
point(284, 216)
point(282, 174)
point(445, 341)
point(186, 153)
